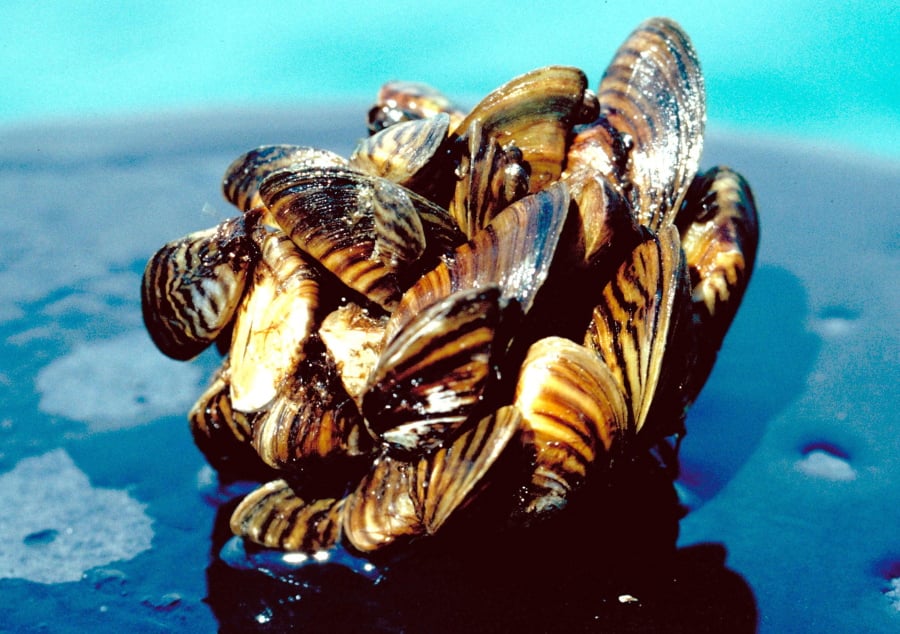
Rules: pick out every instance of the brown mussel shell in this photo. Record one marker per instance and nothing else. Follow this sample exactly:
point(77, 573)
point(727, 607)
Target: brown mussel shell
point(240, 184)
point(357, 226)
point(514, 252)
point(653, 96)
point(719, 235)
point(432, 374)
point(399, 153)
point(536, 112)
point(276, 317)
point(400, 101)
point(192, 286)
point(477, 317)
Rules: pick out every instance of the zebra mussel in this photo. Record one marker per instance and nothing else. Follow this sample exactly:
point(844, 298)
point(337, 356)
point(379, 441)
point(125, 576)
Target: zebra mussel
point(510, 299)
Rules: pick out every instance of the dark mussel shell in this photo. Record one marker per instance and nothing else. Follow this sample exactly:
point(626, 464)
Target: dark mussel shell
point(719, 235)
point(514, 252)
point(431, 375)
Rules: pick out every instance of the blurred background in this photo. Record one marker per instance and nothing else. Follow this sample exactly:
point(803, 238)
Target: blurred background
point(817, 71)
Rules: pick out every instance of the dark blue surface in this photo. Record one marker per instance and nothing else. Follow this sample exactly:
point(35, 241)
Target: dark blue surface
point(790, 467)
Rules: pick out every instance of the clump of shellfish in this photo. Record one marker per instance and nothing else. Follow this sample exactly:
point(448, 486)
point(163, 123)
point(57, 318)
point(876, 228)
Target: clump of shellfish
point(537, 287)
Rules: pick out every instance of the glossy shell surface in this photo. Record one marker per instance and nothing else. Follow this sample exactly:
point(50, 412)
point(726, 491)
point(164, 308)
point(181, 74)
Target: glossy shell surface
point(507, 302)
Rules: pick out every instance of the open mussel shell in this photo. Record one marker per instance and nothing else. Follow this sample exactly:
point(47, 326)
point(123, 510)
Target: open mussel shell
point(573, 413)
point(400, 101)
point(491, 178)
point(719, 235)
point(400, 152)
point(240, 184)
point(362, 228)
point(312, 417)
point(275, 319)
point(634, 323)
point(406, 498)
point(605, 220)
point(652, 95)
point(432, 374)
point(192, 286)
point(536, 112)
point(514, 252)
point(354, 338)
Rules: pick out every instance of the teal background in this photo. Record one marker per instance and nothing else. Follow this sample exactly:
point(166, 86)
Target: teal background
point(811, 70)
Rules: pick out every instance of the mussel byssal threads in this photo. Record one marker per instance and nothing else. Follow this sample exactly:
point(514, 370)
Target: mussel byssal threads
point(512, 299)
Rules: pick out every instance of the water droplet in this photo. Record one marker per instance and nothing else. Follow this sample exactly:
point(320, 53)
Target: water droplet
point(165, 603)
point(826, 461)
point(836, 321)
point(41, 538)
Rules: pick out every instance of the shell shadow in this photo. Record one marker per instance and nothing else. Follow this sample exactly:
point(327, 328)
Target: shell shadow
point(608, 565)
point(762, 367)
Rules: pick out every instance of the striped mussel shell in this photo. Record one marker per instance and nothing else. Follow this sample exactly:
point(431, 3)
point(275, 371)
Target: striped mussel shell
point(536, 112)
point(432, 374)
point(491, 177)
point(275, 319)
point(719, 234)
point(634, 324)
point(398, 499)
point(511, 301)
point(275, 516)
point(583, 405)
point(402, 498)
point(312, 417)
point(401, 152)
point(514, 252)
point(240, 185)
point(223, 434)
point(192, 286)
point(574, 416)
point(400, 101)
point(368, 231)
point(652, 96)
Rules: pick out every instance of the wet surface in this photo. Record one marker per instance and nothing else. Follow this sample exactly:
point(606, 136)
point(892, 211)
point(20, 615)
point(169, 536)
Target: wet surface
point(113, 522)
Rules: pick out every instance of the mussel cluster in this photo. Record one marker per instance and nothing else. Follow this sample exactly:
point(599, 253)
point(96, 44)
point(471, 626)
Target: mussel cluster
point(512, 299)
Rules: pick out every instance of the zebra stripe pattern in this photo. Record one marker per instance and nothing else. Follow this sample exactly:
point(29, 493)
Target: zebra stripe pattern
point(513, 252)
point(398, 152)
point(653, 96)
point(536, 112)
point(630, 328)
point(274, 516)
point(402, 499)
point(192, 286)
point(573, 414)
point(494, 177)
point(240, 184)
point(432, 374)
